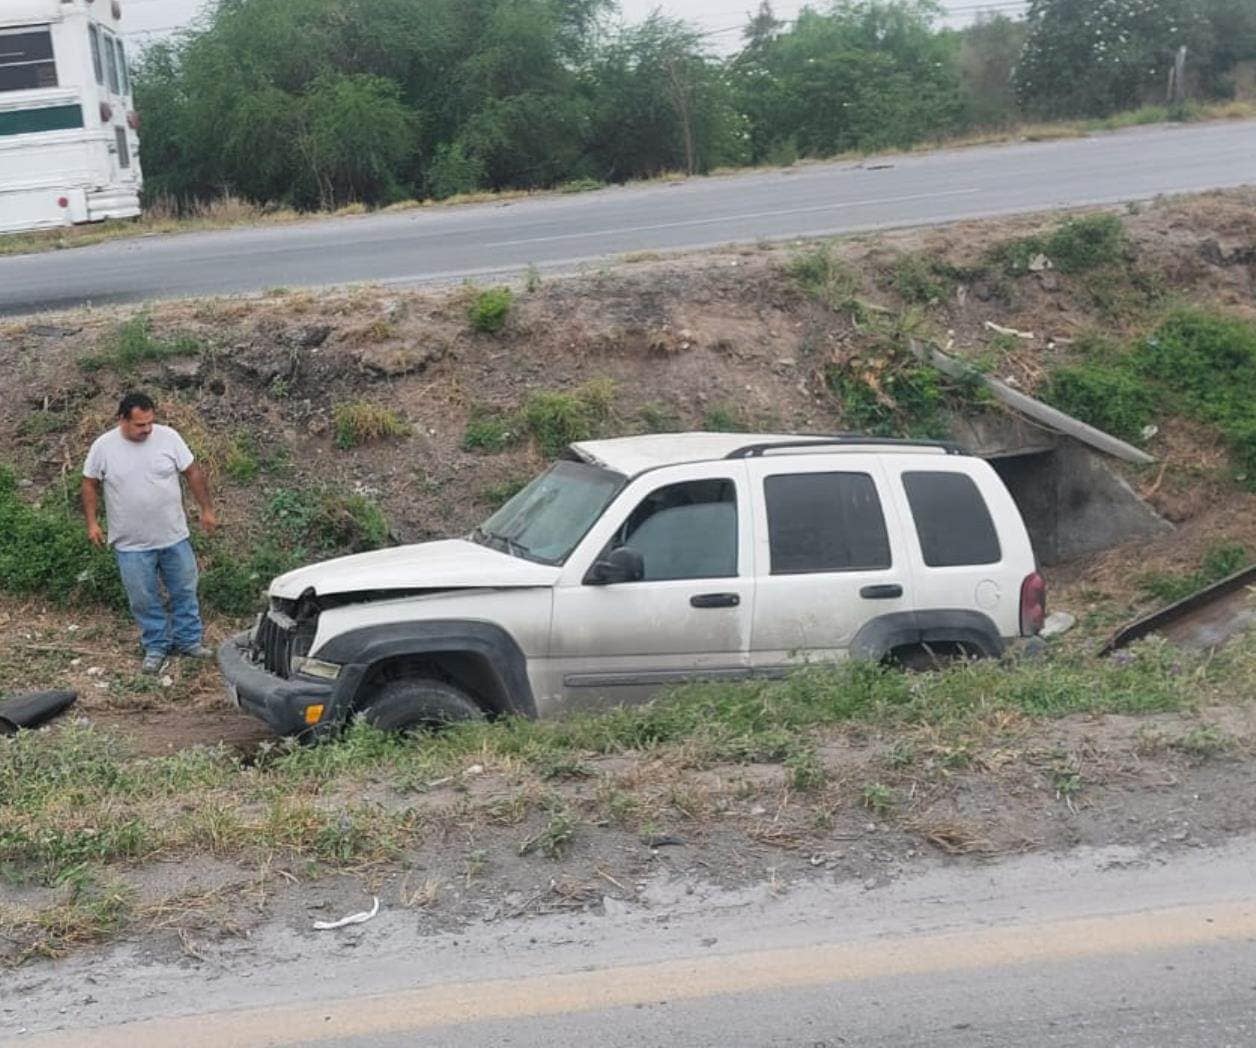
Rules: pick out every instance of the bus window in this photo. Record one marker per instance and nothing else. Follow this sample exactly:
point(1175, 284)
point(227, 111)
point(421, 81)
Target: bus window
point(111, 63)
point(26, 60)
point(94, 35)
point(124, 76)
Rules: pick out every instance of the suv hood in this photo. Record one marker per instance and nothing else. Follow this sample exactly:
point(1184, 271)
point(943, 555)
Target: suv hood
point(451, 564)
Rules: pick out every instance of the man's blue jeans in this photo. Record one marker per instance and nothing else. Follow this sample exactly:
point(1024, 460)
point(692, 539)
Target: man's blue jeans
point(161, 630)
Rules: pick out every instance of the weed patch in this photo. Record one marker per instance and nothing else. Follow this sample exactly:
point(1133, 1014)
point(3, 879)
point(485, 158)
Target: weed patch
point(921, 280)
point(1218, 563)
point(887, 392)
point(723, 418)
point(489, 429)
point(134, 344)
point(1078, 245)
point(557, 419)
point(1204, 364)
point(489, 309)
point(361, 422)
point(498, 495)
point(44, 549)
point(825, 276)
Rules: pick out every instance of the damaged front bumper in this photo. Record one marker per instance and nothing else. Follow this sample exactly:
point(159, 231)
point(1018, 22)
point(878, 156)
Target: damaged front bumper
point(282, 704)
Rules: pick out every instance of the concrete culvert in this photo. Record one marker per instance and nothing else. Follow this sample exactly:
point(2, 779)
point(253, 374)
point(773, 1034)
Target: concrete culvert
point(1072, 501)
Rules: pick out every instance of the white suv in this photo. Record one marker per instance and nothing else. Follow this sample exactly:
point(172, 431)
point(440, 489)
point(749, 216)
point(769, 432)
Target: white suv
point(636, 563)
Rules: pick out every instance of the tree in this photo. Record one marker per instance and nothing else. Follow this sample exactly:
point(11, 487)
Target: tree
point(1092, 57)
point(661, 103)
point(863, 75)
point(354, 135)
point(988, 53)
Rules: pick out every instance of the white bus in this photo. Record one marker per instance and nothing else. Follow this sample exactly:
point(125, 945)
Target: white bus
point(69, 148)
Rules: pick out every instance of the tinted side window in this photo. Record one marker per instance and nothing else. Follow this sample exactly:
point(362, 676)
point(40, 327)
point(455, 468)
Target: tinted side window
point(825, 522)
point(685, 531)
point(952, 520)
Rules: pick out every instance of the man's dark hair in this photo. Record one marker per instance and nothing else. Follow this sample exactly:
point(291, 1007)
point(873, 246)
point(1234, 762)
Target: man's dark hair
point(135, 400)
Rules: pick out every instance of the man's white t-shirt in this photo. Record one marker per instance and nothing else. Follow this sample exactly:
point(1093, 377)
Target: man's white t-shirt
point(143, 499)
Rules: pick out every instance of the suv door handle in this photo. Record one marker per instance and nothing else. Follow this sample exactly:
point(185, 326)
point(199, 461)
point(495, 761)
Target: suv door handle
point(715, 600)
point(881, 592)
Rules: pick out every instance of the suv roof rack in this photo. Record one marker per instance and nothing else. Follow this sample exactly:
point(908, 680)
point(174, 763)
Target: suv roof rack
point(843, 439)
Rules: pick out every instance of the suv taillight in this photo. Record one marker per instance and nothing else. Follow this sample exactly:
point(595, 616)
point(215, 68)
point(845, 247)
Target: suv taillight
point(1033, 608)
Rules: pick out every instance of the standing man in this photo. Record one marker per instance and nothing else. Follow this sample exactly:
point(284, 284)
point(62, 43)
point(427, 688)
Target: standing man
point(138, 465)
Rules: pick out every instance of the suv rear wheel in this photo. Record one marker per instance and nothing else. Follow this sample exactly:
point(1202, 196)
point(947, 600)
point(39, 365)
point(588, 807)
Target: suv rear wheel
point(420, 702)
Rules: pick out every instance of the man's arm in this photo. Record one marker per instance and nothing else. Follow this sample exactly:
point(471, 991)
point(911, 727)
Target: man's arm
point(200, 491)
point(91, 506)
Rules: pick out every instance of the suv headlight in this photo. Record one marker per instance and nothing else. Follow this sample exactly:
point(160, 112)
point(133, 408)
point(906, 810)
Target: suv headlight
point(315, 667)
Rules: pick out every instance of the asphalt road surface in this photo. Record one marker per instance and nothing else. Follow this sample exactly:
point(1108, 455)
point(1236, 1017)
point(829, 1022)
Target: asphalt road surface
point(1118, 947)
point(558, 232)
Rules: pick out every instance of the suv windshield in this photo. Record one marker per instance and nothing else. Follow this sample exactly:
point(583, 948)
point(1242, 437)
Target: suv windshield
point(548, 517)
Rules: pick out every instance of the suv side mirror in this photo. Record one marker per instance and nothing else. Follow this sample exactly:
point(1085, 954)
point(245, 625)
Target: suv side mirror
point(624, 564)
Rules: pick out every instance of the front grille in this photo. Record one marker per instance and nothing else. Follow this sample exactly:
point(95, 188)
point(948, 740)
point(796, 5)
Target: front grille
point(275, 633)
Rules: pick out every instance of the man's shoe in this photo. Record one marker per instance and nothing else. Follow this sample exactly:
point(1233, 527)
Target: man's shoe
point(153, 663)
point(199, 651)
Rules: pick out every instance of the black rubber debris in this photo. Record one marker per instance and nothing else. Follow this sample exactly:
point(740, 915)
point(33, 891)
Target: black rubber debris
point(32, 709)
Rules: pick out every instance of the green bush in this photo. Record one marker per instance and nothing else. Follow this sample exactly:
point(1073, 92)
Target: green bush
point(489, 309)
point(1104, 395)
point(723, 418)
point(1209, 360)
point(920, 279)
point(557, 419)
point(323, 521)
point(1201, 365)
point(891, 394)
point(825, 276)
point(1077, 245)
point(235, 584)
point(44, 550)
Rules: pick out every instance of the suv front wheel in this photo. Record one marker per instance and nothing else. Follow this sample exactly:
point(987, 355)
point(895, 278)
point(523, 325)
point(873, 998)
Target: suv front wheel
point(423, 702)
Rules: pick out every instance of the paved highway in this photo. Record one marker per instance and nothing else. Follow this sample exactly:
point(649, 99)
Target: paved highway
point(557, 232)
point(1099, 948)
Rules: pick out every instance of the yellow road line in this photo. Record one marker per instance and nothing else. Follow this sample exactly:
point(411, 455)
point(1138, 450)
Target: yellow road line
point(531, 996)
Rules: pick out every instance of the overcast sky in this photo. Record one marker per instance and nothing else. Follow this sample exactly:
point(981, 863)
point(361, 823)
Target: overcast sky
point(722, 18)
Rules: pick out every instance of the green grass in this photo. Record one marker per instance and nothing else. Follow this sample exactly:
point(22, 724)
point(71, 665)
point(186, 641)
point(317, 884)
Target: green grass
point(497, 495)
point(77, 808)
point(1077, 245)
point(489, 309)
point(360, 422)
point(825, 276)
point(1218, 563)
point(133, 343)
point(1195, 363)
point(921, 280)
point(489, 429)
point(724, 418)
point(241, 462)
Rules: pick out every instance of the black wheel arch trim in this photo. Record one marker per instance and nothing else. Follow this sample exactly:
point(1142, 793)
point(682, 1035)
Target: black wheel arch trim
point(360, 650)
point(879, 636)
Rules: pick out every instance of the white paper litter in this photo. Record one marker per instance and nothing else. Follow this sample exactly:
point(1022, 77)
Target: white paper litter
point(353, 918)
